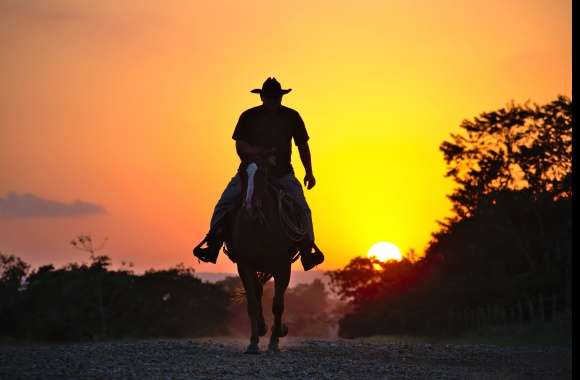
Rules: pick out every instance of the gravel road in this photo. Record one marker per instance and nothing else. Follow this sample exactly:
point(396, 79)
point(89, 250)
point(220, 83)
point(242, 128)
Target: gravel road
point(301, 358)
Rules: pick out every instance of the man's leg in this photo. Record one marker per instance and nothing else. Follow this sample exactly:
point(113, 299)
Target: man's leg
point(214, 238)
point(293, 188)
point(226, 201)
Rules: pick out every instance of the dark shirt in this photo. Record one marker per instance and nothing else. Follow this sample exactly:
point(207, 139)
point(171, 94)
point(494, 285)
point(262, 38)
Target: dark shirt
point(273, 129)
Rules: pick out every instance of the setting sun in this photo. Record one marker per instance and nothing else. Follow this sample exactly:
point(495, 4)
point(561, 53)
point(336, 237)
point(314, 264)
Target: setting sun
point(384, 251)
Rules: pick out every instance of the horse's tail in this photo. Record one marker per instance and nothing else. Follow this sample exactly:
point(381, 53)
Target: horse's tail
point(238, 295)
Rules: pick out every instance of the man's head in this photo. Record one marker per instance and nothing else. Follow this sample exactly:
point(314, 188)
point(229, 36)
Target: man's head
point(271, 93)
point(271, 102)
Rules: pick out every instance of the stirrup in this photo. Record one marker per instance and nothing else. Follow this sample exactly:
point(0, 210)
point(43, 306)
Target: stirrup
point(311, 259)
point(210, 253)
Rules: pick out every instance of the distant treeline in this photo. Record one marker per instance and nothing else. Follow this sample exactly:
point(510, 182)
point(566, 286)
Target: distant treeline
point(86, 302)
point(505, 255)
point(93, 302)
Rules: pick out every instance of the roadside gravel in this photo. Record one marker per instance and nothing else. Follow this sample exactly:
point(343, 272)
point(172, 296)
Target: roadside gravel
point(301, 358)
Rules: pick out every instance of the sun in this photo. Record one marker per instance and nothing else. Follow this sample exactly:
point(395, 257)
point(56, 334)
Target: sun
point(385, 251)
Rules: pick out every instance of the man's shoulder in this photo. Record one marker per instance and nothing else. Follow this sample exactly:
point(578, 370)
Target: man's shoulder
point(289, 111)
point(291, 114)
point(251, 111)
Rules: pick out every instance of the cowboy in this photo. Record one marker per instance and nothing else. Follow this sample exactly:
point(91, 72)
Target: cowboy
point(267, 130)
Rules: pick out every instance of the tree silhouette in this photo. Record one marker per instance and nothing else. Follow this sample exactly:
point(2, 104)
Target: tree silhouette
point(513, 148)
point(92, 302)
point(13, 272)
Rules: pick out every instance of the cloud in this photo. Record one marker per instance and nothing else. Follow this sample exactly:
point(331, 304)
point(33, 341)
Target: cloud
point(27, 205)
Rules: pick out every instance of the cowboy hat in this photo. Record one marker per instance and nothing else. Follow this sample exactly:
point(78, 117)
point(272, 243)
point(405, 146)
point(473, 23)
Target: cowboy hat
point(271, 87)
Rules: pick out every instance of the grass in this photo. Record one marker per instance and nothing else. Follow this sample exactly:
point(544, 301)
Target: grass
point(537, 333)
point(556, 333)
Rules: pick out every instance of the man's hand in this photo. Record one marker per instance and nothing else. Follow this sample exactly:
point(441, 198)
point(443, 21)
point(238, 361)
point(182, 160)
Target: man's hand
point(309, 181)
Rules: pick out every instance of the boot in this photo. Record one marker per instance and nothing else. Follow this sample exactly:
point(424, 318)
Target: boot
point(209, 253)
point(308, 258)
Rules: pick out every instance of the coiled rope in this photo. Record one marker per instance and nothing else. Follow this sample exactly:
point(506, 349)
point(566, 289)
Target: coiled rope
point(292, 217)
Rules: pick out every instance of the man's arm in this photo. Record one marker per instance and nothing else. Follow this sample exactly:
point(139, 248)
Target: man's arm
point(304, 150)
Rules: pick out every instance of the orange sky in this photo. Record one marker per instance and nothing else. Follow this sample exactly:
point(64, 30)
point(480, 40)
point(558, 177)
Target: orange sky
point(131, 105)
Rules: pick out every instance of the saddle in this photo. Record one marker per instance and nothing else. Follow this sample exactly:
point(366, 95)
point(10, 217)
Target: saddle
point(292, 218)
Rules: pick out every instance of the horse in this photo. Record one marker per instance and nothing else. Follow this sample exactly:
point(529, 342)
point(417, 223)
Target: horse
point(261, 248)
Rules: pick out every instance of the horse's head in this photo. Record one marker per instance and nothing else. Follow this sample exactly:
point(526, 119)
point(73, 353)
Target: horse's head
point(254, 183)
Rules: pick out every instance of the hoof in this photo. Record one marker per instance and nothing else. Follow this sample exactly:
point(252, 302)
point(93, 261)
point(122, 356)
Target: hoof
point(252, 349)
point(273, 347)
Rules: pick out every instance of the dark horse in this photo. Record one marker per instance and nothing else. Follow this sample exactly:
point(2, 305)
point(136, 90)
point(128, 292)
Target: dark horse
point(262, 249)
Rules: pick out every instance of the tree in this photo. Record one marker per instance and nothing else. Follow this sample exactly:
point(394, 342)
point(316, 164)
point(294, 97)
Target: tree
point(512, 204)
point(513, 148)
point(76, 302)
point(12, 274)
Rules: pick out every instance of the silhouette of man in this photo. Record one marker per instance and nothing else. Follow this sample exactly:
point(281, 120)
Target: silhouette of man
point(268, 130)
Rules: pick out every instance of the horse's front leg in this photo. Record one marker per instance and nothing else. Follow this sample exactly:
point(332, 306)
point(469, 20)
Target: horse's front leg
point(281, 279)
point(250, 282)
point(262, 328)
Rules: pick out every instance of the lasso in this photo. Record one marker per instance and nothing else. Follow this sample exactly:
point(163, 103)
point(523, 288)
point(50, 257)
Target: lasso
point(295, 231)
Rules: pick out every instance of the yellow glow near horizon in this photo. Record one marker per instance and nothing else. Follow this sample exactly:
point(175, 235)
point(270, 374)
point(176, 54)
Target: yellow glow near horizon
point(385, 251)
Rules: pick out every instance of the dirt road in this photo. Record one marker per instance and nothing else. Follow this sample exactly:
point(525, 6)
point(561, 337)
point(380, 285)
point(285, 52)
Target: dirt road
point(301, 358)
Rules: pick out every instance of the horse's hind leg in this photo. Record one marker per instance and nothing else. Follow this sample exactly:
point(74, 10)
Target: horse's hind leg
point(262, 328)
point(281, 280)
point(250, 282)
